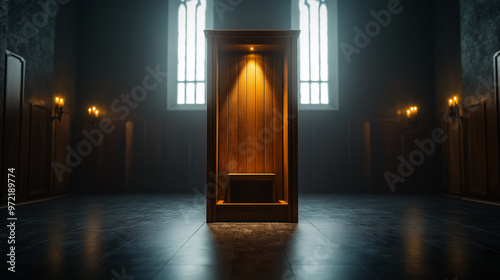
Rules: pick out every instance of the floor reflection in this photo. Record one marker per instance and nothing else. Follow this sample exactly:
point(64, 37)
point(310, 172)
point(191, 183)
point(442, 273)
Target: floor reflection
point(337, 237)
point(255, 250)
point(414, 240)
point(92, 238)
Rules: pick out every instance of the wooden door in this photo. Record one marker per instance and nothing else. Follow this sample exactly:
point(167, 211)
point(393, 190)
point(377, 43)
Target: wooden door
point(14, 90)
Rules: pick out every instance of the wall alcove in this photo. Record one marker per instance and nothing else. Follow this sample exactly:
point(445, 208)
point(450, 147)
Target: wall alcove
point(252, 125)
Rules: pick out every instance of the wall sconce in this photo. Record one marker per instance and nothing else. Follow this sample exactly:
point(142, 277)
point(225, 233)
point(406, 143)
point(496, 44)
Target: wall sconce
point(58, 109)
point(412, 112)
point(93, 114)
point(454, 110)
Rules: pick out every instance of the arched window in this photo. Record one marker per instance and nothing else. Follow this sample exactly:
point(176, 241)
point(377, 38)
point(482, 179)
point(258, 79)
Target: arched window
point(187, 77)
point(318, 79)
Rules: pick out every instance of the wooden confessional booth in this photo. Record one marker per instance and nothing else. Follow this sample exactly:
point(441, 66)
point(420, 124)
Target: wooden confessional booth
point(252, 126)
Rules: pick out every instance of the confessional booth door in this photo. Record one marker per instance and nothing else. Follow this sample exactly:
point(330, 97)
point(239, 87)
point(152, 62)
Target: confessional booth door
point(252, 126)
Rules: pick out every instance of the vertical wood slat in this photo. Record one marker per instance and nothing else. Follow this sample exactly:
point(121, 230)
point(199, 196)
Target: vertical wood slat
point(259, 113)
point(242, 115)
point(233, 114)
point(223, 129)
point(278, 125)
point(251, 120)
point(269, 116)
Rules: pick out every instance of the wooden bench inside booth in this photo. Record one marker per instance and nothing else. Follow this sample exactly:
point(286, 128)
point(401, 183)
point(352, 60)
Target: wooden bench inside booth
point(251, 188)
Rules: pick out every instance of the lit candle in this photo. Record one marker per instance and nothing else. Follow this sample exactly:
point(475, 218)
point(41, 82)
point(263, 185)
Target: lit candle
point(61, 102)
point(96, 113)
point(90, 111)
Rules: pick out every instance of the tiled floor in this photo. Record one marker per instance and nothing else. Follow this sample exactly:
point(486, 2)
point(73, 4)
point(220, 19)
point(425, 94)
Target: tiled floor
point(337, 237)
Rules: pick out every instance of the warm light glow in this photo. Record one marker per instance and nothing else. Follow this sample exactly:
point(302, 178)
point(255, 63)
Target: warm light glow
point(412, 112)
point(93, 112)
point(251, 48)
point(453, 102)
point(59, 101)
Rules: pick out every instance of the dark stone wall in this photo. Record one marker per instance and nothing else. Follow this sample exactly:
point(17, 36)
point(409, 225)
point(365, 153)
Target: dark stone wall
point(480, 40)
point(3, 32)
point(4, 4)
point(448, 68)
point(32, 34)
point(36, 45)
point(66, 55)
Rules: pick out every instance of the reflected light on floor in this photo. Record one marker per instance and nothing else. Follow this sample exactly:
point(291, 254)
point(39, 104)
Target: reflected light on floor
point(414, 238)
point(92, 248)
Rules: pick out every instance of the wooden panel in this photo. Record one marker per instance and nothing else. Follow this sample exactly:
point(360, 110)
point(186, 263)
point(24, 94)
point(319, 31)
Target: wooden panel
point(250, 97)
point(476, 181)
point(492, 148)
point(151, 155)
point(278, 126)
point(242, 115)
point(269, 116)
point(223, 129)
point(385, 149)
point(212, 114)
point(252, 213)
point(14, 87)
point(233, 114)
point(259, 113)
point(493, 127)
point(129, 152)
point(251, 112)
point(61, 139)
point(39, 157)
point(453, 157)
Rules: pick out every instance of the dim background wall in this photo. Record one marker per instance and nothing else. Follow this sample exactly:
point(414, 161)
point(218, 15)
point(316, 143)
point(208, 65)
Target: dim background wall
point(466, 38)
point(45, 50)
point(93, 52)
point(160, 150)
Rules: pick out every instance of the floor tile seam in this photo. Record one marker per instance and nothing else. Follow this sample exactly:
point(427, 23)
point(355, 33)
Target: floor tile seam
point(176, 252)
